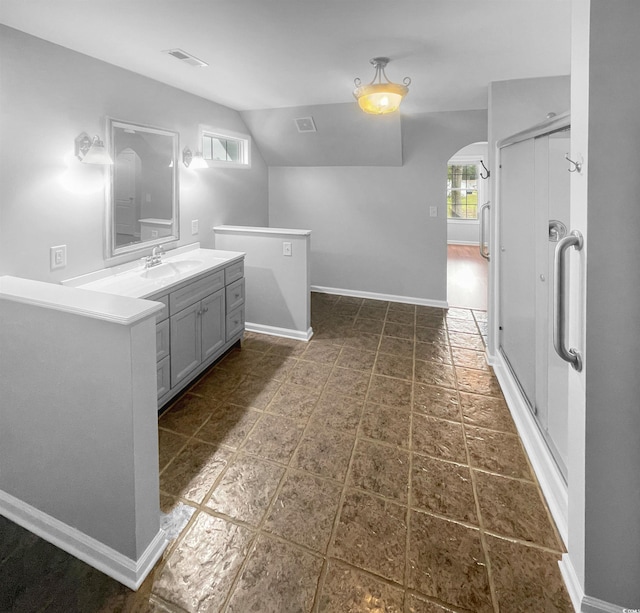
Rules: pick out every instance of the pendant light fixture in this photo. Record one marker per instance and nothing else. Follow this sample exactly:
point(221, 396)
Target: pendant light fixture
point(380, 97)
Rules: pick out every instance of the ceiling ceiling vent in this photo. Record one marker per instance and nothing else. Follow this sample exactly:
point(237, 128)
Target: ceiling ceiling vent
point(305, 124)
point(185, 57)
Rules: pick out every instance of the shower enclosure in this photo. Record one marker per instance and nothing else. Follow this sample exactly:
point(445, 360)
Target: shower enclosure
point(534, 241)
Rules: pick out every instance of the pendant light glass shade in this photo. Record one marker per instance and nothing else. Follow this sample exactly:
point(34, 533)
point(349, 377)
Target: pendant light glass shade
point(380, 97)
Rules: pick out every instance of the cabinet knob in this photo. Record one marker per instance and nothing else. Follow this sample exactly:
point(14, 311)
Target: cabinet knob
point(205, 309)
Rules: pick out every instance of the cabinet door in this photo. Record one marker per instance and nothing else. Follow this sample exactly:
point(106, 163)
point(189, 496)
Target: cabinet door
point(186, 343)
point(213, 318)
point(162, 340)
point(163, 376)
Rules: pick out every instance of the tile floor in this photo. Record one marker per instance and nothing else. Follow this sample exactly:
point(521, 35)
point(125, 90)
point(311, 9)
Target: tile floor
point(374, 469)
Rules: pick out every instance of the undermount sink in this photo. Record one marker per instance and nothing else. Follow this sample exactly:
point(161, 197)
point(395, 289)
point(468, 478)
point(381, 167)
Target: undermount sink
point(170, 269)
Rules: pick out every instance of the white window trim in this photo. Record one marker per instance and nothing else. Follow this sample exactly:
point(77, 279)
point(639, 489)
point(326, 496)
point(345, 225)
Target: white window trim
point(467, 160)
point(227, 134)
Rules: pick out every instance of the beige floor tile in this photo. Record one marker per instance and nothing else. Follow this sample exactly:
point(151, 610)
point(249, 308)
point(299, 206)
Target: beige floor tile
point(348, 589)
point(438, 438)
point(372, 534)
point(274, 438)
point(446, 561)
point(169, 443)
point(305, 510)
point(433, 352)
point(515, 509)
point(338, 412)
point(436, 401)
point(194, 470)
point(380, 469)
point(188, 414)
point(390, 392)
point(246, 489)
point(526, 579)
point(443, 488)
point(497, 452)
point(276, 573)
point(486, 411)
point(397, 346)
point(386, 424)
point(348, 382)
point(394, 366)
point(478, 382)
point(228, 425)
point(294, 401)
point(324, 452)
point(200, 572)
point(356, 359)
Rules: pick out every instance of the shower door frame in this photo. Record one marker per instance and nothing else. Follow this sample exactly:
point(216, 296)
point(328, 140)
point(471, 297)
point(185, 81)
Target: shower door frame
point(552, 482)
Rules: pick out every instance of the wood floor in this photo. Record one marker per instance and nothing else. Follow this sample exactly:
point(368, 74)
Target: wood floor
point(467, 277)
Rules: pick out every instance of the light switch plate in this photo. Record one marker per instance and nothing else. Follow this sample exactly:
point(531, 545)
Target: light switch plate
point(58, 256)
point(286, 248)
point(194, 226)
point(433, 211)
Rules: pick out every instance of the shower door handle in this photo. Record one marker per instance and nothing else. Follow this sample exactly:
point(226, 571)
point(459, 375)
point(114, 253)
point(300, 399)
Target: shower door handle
point(559, 299)
point(484, 252)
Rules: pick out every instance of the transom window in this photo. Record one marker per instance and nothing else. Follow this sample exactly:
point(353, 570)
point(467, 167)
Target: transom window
point(225, 149)
point(462, 191)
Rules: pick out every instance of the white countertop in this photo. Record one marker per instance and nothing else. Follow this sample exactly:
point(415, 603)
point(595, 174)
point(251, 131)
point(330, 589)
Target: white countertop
point(129, 279)
point(107, 307)
point(261, 230)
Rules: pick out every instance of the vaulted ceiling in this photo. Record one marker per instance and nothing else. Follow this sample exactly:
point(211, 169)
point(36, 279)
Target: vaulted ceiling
point(280, 53)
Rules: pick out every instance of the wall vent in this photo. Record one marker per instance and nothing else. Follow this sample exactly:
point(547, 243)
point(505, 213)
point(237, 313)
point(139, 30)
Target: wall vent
point(185, 57)
point(305, 124)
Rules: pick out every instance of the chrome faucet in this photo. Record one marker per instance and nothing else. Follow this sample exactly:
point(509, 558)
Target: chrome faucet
point(155, 258)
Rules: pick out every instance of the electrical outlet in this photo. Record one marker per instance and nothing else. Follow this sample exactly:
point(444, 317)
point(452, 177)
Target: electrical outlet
point(194, 226)
point(433, 211)
point(58, 256)
point(286, 249)
point(154, 234)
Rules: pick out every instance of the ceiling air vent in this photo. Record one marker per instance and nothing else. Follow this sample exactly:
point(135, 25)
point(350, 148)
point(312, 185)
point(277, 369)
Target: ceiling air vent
point(305, 124)
point(186, 57)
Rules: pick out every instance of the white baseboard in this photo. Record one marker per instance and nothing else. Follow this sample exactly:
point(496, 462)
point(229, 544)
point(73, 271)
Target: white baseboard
point(442, 304)
point(581, 602)
point(275, 331)
point(571, 581)
point(125, 570)
point(467, 243)
point(552, 484)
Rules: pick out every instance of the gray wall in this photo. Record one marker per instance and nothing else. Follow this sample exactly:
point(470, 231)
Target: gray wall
point(344, 136)
point(371, 229)
point(49, 96)
point(612, 488)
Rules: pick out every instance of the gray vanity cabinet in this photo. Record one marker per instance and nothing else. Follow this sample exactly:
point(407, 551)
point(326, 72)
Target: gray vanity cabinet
point(202, 320)
point(197, 333)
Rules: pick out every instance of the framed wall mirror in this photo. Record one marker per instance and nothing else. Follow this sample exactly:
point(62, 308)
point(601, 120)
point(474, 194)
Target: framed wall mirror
point(142, 204)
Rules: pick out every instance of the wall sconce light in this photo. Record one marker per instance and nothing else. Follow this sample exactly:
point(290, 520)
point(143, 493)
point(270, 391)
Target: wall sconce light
point(91, 151)
point(193, 160)
point(380, 97)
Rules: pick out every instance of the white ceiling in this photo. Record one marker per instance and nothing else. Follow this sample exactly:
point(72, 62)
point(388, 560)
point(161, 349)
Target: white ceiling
point(279, 53)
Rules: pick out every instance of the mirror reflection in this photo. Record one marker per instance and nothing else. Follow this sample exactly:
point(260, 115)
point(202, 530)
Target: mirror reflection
point(144, 191)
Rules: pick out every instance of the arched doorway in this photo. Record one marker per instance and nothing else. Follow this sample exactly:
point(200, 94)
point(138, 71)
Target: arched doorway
point(467, 191)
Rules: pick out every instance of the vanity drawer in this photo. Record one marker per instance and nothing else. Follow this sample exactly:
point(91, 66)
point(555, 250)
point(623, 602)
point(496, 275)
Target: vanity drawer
point(162, 340)
point(164, 314)
point(234, 272)
point(235, 295)
point(164, 376)
point(235, 322)
point(193, 292)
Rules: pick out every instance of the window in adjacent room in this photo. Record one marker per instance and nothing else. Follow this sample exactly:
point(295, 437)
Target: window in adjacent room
point(462, 191)
point(230, 150)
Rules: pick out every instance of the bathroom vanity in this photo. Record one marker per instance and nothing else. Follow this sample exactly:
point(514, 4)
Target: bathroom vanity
point(203, 294)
